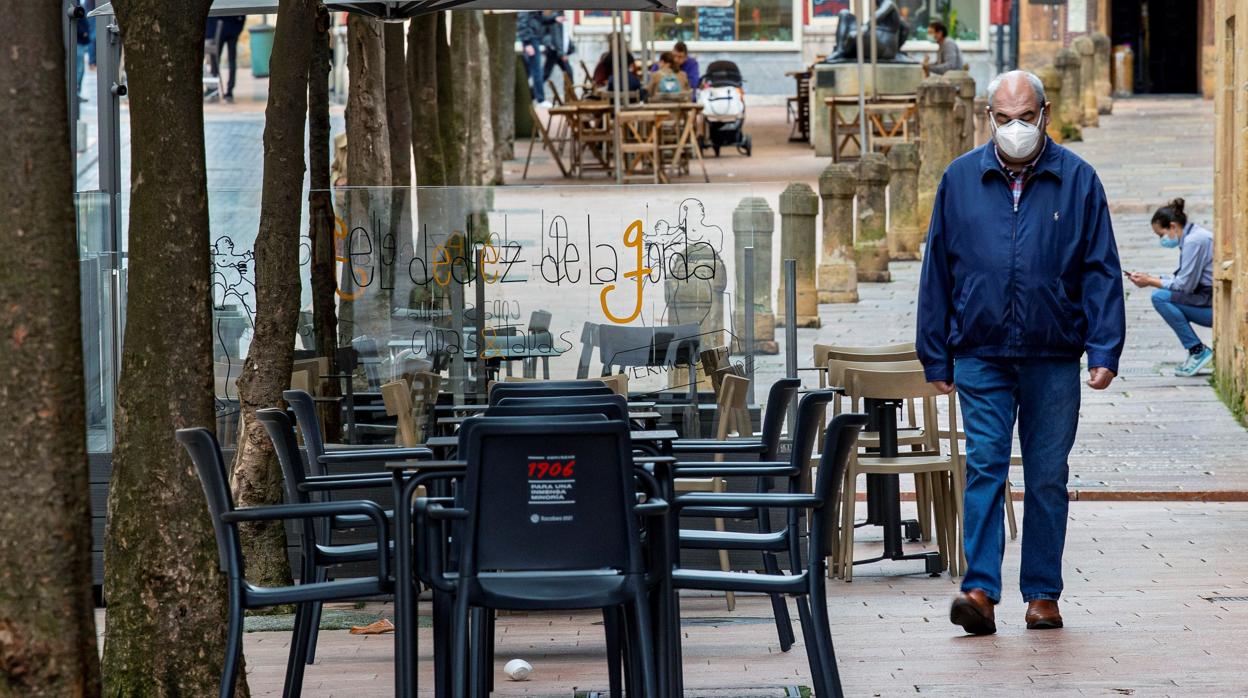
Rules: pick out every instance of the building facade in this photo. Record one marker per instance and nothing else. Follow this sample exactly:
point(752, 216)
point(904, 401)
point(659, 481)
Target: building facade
point(769, 38)
point(1230, 263)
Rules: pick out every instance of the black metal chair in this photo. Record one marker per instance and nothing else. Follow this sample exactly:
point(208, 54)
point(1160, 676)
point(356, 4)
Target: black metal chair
point(206, 455)
point(573, 545)
point(807, 582)
point(767, 445)
point(545, 389)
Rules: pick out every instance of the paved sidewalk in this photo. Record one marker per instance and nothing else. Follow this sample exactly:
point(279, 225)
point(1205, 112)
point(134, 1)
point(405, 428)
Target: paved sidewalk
point(1138, 622)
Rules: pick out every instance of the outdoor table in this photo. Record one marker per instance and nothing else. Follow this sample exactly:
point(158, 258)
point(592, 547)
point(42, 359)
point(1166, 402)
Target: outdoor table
point(687, 125)
point(799, 106)
point(887, 132)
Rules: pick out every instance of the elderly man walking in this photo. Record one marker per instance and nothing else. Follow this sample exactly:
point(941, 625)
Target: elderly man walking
point(1020, 278)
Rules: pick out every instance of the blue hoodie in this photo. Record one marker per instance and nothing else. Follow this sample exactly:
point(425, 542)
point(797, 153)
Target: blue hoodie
point(1040, 282)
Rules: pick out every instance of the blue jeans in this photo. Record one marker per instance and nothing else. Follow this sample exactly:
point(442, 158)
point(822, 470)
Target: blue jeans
point(80, 56)
point(533, 65)
point(1179, 317)
point(1042, 395)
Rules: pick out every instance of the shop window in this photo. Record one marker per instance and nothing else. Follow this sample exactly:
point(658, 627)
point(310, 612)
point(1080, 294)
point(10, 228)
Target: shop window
point(744, 20)
point(963, 17)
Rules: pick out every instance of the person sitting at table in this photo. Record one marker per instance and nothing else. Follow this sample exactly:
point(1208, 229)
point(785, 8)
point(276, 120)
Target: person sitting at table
point(667, 83)
point(948, 55)
point(605, 68)
point(1186, 298)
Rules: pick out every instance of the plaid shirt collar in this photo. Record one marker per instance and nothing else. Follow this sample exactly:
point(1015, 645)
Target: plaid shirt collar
point(1018, 179)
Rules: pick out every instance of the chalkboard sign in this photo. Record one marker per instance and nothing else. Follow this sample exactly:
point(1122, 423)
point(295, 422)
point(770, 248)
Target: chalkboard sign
point(717, 23)
point(827, 9)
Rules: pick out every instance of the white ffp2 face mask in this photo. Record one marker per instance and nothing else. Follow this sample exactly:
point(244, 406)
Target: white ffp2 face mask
point(1017, 139)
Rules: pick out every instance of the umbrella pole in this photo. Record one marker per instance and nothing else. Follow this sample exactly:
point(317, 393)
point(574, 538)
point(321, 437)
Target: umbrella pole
point(862, 95)
point(875, 75)
point(617, 61)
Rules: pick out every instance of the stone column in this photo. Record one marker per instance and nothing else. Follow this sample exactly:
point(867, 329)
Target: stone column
point(1104, 84)
point(871, 243)
point(1087, 79)
point(1053, 91)
point(696, 299)
point(753, 225)
point(904, 235)
point(937, 139)
point(964, 107)
point(799, 206)
point(838, 275)
point(1067, 64)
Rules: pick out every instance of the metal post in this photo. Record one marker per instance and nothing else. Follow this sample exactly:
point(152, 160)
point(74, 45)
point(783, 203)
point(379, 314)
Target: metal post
point(69, 23)
point(479, 287)
point(617, 47)
point(109, 91)
point(747, 298)
point(862, 95)
point(790, 331)
point(1000, 48)
point(875, 76)
point(1014, 35)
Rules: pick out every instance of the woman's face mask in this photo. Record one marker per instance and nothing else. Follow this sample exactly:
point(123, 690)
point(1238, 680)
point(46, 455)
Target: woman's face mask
point(1170, 242)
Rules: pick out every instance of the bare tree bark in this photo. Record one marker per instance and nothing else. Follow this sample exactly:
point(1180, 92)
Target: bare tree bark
point(266, 371)
point(47, 621)
point(321, 217)
point(368, 165)
point(422, 75)
point(501, 31)
point(470, 66)
point(165, 590)
point(451, 116)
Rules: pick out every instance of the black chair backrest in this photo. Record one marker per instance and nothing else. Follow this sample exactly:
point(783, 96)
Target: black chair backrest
point(282, 433)
point(557, 496)
point(779, 397)
point(468, 425)
point(502, 390)
point(309, 426)
point(610, 406)
point(838, 445)
point(206, 455)
point(673, 345)
point(589, 340)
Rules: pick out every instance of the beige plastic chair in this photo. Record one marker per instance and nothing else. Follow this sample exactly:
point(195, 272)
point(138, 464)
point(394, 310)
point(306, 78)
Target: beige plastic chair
point(730, 399)
point(942, 473)
point(409, 405)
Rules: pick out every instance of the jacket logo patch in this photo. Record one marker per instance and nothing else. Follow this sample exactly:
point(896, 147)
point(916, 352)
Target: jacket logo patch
point(1056, 216)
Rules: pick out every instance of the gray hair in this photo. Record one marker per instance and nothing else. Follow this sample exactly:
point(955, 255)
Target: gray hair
point(1036, 84)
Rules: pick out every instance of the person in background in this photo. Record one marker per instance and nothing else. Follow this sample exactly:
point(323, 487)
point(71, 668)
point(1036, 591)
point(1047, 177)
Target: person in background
point(1186, 298)
point(688, 65)
point(604, 69)
point(84, 38)
point(666, 82)
point(226, 30)
point(1020, 278)
point(556, 44)
point(948, 55)
point(531, 31)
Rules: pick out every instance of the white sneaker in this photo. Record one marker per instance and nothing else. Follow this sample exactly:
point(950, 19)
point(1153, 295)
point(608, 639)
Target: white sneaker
point(545, 104)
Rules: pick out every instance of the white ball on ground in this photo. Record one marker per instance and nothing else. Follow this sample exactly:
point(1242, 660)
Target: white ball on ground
point(518, 670)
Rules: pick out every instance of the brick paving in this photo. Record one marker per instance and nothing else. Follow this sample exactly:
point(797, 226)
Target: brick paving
point(1137, 623)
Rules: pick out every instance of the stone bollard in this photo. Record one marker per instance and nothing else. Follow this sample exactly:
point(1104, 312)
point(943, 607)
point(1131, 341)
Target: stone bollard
point(1087, 79)
point(1104, 83)
point(937, 140)
point(1053, 91)
point(753, 225)
point(964, 108)
point(904, 234)
point(871, 244)
point(696, 299)
point(838, 275)
point(1067, 64)
point(799, 206)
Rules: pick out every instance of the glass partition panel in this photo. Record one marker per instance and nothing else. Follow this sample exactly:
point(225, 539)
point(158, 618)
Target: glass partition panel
point(100, 284)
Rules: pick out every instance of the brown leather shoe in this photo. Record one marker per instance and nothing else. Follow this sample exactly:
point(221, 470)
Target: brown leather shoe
point(1042, 614)
point(973, 610)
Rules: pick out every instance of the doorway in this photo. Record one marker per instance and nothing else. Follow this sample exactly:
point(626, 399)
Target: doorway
point(1165, 38)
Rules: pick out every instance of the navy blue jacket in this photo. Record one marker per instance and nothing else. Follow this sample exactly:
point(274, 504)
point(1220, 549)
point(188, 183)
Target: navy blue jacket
point(1040, 281)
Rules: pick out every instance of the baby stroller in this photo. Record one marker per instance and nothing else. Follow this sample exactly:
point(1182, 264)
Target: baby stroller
point(722, 97)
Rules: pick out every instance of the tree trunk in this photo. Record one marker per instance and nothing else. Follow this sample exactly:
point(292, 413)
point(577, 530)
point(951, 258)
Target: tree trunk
point(321, 218)
point(257, 477)
point(423, 39)
point(368, 165)
point(502, 37)
point(451, 116)
point(470, 84)
point(165, 590)
point(399, 131)
point(47, 622)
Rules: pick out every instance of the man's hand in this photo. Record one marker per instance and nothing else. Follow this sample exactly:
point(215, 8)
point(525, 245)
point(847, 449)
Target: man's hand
point(1100, 378)
point(529, 50)
point(944, 387)
point(1143, 280)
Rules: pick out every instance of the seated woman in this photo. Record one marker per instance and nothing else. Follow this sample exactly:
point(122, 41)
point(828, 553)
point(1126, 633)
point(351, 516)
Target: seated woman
point(668, 82)
point(1187, 296)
